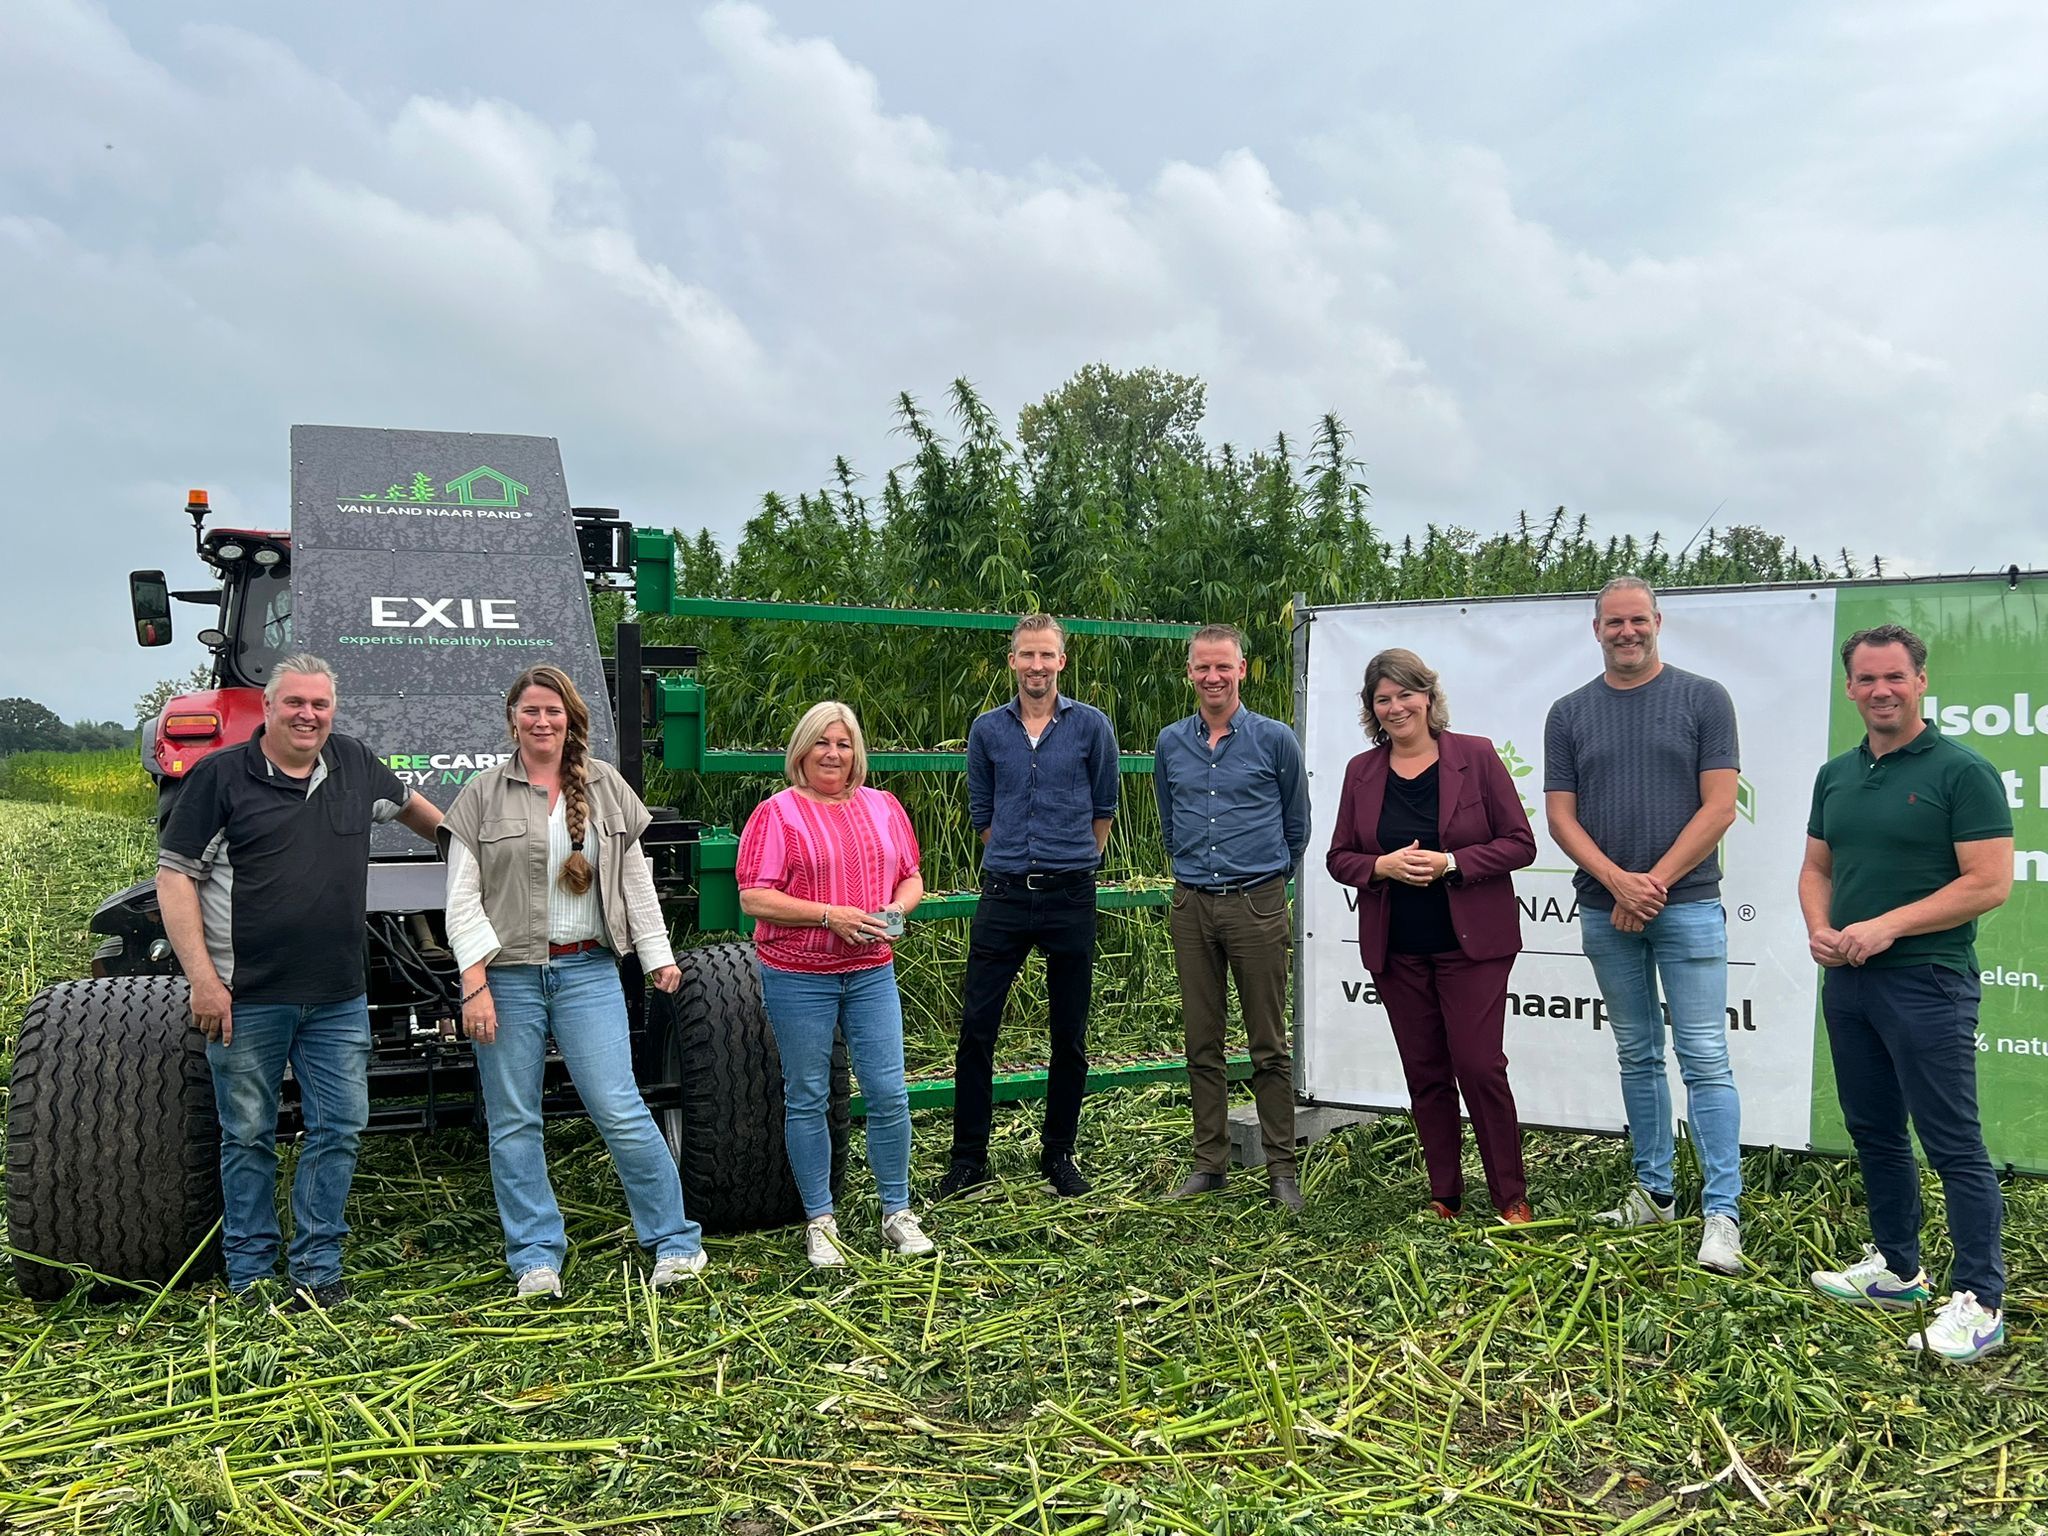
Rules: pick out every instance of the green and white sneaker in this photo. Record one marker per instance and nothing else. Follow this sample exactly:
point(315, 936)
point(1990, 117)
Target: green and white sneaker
point(1963, 1330)
point(1639, 1209)
point(1869, 1282)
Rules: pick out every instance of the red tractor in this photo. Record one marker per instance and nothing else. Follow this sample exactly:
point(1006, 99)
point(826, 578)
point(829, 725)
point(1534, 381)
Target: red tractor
point(252, 628)
point(113, 1145)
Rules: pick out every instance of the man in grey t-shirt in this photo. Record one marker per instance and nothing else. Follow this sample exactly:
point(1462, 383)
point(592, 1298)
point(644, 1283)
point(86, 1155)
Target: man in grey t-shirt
point(1639, 775)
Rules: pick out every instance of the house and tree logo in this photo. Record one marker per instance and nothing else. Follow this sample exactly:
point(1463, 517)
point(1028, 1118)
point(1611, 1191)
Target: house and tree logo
point(481, 487)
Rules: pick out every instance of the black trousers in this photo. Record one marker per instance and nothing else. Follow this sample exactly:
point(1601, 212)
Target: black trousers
point(1904, 1041)
point(1008, 924)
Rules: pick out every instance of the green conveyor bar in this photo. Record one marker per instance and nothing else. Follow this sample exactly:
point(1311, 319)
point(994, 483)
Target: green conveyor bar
point(946, 904)
point(916, 618)
point(1015, 1087)
point(725, 760)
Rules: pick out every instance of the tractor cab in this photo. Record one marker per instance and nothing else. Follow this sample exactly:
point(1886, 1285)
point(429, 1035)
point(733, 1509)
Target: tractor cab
point(250, 633)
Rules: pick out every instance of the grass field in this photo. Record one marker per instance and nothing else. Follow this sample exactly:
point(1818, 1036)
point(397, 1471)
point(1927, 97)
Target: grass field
point(111, 781)
point(1113, 1364)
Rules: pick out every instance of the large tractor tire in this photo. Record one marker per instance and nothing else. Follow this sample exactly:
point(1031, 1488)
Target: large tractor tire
point(113, 1147)
point(712, 1036)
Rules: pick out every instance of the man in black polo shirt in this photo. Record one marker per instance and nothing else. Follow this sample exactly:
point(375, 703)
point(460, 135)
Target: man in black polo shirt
point(1908, 844)
point(263, 874)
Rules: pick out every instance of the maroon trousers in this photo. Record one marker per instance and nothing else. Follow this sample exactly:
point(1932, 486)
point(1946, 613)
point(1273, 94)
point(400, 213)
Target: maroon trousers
point(1447, 1014)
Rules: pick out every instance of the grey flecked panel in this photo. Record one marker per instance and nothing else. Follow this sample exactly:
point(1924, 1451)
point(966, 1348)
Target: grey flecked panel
point(429, 680)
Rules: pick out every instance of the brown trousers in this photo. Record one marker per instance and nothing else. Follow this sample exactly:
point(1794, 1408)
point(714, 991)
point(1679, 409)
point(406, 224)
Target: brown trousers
point(1248, 936)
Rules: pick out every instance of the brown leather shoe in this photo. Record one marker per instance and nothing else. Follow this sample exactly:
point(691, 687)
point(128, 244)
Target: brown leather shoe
point(1441, 1211)
point(1198, 1183)
point(1284, 1190)
point(1517, 1214)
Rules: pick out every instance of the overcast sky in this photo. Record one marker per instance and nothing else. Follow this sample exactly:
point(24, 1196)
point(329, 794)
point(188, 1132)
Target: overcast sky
point(1645, 260)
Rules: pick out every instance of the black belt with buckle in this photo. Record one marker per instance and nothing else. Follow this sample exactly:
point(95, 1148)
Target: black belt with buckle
point(994, 883)
point(1237, 887)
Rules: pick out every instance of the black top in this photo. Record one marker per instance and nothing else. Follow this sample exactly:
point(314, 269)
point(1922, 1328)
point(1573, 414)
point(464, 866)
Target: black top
point(1418, 916)
point(282, 865)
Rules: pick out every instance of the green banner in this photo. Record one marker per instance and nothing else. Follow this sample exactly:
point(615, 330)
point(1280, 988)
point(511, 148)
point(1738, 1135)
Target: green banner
point(1987, 668)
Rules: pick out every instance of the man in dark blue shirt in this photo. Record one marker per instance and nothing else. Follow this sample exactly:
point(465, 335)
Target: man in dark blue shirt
point(1233, 805)
point(1041, 789)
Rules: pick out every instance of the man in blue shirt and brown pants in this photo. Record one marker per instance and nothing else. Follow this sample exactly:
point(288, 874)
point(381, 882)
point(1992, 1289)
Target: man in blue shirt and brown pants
point(1233, 805)
point(1041, 790)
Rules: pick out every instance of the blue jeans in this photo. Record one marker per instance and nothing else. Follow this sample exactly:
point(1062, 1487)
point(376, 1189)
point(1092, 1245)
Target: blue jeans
point(328, 1046)
point(1904, 1041)
point(578, 1000)
point(1686, 948)
point(863, 1006)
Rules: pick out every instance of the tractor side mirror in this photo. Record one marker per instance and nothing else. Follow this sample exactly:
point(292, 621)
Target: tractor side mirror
point(149, 598)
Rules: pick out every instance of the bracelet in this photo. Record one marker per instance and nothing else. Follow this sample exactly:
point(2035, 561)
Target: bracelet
point(824, 915)
point(481, 988)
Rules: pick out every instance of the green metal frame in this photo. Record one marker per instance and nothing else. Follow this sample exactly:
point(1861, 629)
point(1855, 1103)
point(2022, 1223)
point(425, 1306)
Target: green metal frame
point(679, 704)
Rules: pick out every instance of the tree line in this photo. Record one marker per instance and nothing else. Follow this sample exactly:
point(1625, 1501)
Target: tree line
point(1106, 501)
point(26, 726)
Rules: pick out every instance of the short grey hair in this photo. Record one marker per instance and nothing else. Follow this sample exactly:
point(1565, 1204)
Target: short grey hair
point(301, 664)
point(1625, 584)
point(1216, 634)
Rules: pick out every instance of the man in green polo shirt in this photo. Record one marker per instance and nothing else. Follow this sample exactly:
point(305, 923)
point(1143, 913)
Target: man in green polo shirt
point(1908, 844)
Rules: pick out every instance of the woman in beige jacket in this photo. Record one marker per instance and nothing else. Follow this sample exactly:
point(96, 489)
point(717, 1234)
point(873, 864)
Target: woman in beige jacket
point(546, 887)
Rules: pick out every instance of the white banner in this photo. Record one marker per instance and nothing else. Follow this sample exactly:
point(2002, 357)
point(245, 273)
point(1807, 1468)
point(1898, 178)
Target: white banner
point(1503, 661)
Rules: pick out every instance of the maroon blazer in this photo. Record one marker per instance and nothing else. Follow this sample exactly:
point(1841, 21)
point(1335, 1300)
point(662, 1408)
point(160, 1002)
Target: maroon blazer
point(1479, 817)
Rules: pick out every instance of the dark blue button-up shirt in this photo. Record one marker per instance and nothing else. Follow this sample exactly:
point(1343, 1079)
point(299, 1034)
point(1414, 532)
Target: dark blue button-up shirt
point(1237, 813)
point(1039, 804)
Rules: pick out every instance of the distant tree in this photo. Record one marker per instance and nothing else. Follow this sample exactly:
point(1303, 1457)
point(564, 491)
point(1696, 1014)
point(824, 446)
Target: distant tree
point(100, 735)
point(1124, 423)
point(162, 693)
point(26, 726)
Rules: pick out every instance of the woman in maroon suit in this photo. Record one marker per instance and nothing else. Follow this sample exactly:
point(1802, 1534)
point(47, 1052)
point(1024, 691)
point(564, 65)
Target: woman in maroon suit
point(1428, 828)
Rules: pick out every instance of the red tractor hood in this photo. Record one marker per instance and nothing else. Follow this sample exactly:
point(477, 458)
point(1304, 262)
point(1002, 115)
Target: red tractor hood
point(196, 724)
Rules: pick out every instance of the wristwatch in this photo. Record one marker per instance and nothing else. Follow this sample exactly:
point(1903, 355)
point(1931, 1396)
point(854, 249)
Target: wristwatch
point(1450, 865)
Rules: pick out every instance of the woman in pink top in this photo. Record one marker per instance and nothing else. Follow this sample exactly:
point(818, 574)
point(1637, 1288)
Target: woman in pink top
point(828, 870)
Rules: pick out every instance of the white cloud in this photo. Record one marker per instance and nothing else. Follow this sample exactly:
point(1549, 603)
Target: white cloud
point(269, 241)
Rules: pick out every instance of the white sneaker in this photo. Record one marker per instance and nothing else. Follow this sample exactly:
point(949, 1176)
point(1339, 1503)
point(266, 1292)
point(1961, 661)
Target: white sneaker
point(821, 1243)
point(1637, 1209)
point(1721, 1246)
point(1963, 1330)
point(539, 1283)
point(901, 1231)
point(673, 1268)
point(1869, 1282)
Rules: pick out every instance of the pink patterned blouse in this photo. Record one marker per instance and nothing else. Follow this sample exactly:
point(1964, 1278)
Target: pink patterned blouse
point(849, 853)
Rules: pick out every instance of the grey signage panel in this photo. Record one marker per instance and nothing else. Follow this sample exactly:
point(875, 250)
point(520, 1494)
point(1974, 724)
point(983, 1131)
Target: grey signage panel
point(430, 568)
point(356, 486)
point(446, 623)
